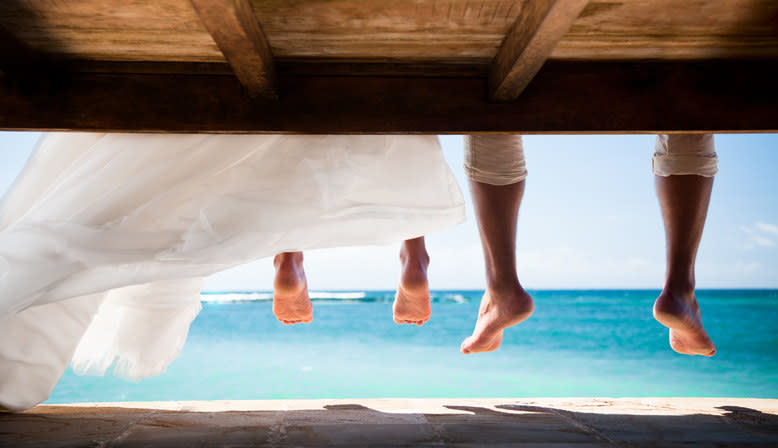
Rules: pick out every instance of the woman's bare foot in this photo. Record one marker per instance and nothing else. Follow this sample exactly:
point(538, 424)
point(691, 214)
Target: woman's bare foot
point(291, 304)
point(412, 301)
point(498, 311)
point(681, 314)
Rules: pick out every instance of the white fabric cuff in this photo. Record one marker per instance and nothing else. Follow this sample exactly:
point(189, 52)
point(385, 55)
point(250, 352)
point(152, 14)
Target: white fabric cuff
point(495, 159)
point(669, 165)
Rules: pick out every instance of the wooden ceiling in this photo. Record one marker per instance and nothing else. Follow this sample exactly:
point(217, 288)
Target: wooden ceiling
point(350, 66)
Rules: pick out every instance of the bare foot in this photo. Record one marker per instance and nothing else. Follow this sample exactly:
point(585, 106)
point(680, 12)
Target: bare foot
point(412, 301)
point(498, 311)
point(291, 304)
point(682, 316)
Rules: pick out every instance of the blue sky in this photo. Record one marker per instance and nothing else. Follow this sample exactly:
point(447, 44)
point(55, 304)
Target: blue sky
point(589, 219)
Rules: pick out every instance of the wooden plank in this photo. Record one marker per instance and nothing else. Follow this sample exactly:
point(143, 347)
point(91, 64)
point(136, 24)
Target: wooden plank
point(111, 30)
point(286, 67)
point(450, 31)
point(530, 42)
point(26, 70)
point(463, 32)
point(672, 29)
point(15, 57)
point(240, 38)
point(565, 97)
point(453, 31)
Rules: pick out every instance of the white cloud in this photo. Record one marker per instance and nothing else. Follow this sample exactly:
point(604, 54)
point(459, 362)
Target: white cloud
point(759, 235)
point(767, 228)
point(763, 241)
point(749, 268)
point(729, 274)
point(565, 267)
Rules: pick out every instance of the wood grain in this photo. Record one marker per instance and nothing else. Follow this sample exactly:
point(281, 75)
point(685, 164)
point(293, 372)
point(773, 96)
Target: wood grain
point(528, 45)
point(463, 32)
point(672, 29)
point(112, 30)
point(565, 97)
point(454, 31)
point(240, 38)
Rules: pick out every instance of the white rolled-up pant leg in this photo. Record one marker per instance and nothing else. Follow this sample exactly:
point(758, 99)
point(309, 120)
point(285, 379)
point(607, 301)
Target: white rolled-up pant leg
point(495, 159)
point(499, 159)
point(685, 154)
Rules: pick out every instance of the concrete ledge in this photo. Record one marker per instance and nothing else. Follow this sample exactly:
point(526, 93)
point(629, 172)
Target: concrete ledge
point(536, 422)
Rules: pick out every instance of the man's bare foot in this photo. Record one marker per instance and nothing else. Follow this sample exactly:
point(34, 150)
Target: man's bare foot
point(291, 304)
point(498, 311)
point(681, 314)
point(412, 301)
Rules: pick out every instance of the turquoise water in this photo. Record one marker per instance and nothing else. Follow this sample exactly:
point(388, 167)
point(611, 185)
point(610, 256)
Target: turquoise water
point(578, 343)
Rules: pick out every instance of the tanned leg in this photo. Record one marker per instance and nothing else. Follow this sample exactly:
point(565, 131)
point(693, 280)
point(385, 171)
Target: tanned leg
point(291, 304)
point(684, 202)
point(412, 302)
point(505, 303)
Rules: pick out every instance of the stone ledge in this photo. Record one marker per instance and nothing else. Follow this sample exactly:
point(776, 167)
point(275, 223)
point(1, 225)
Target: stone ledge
point(535, 422)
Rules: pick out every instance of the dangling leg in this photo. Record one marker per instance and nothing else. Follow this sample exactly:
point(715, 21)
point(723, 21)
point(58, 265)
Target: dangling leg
point(684, 166)
point(291, 304)
point(495, 165)
point(412, 301)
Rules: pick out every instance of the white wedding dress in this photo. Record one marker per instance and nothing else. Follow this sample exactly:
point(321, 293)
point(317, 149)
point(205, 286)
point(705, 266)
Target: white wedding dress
point(105, 238)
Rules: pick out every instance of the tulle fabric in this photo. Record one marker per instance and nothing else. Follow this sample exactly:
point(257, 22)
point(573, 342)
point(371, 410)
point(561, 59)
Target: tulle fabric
point(105, 238)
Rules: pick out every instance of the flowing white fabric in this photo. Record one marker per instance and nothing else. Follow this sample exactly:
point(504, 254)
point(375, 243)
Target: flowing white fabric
point(105, 238)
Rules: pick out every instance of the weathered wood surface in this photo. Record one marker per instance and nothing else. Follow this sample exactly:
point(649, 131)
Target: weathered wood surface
point(240, 38)
point(451, 31)
point(671, 29)
point(565, 97)
point(348, 66)
point(114, 30)
point(528, 44)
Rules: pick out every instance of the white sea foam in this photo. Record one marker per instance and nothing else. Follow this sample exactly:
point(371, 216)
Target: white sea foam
point(457, 298)
point(230, 297)
point(236, 297)
point(338, 295)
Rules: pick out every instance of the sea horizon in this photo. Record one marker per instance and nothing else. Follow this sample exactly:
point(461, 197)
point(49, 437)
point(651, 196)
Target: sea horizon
point(367, 290)
point(578, 343)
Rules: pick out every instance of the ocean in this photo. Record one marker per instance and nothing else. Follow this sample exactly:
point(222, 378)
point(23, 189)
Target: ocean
point(577, 344)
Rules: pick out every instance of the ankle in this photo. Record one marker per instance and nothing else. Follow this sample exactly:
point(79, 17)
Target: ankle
point(504, 287)
point(288, 259)
point(679, 287)
point(416, 258)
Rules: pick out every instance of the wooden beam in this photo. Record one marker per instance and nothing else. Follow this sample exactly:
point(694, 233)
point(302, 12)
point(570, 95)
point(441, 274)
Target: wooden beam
point(529, 43)
point(26, 70)
point(239, 36)
point(565, 97)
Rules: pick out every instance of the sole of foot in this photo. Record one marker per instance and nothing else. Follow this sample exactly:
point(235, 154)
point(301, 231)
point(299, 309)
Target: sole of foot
point(412, 300)
point(687, 335)
point(412, 306)
point(497, 312)
point(291, 301)
point(293, 308)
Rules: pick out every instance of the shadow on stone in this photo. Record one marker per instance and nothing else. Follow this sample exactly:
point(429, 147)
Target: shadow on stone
point(354, 424)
